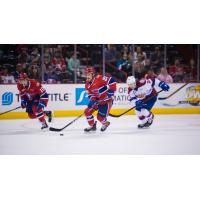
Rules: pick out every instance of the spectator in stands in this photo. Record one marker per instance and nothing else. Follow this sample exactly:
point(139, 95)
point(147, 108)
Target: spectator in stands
point(48, 54)
point(150, 73)
point(130, 56)
point(73, 63)
point(122, 62)
point(57, 69)
point(191, 71)
point(50, 76)
point(173, 68)
point(164, 76)
point(139, 55)
point(157, 59)
point(7, 77)
point(58, 62)
point(34, 72)
point(179, 76)
point(126, 48)
point(124, 66)
point(23, 57)
point(177, 71)
point(140, 59)
point(17, 72)
point(59, 48)
point(21, 48)
point(35, 57)
point(47, 61)
point(139, 66)
point(148, 64)
point(111, 54)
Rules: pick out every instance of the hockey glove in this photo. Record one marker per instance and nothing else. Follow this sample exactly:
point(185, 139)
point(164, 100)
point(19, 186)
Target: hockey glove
point(23, 103)
point(92, 104)
point(164, 86)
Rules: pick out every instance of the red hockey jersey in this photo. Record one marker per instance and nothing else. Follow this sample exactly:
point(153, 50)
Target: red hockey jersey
point(101, 89)
point(34, 90)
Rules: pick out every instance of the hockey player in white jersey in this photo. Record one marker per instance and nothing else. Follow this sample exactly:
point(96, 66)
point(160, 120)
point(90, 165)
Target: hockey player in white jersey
point(145, 96)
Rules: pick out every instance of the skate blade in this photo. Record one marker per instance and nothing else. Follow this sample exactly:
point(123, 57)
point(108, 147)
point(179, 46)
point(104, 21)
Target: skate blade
point(89, 132)
point(45, 129)
point(145, 127)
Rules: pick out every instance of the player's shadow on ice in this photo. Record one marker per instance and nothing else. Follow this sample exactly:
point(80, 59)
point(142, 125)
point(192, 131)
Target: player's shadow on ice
point(21, 132)
point(108, 132)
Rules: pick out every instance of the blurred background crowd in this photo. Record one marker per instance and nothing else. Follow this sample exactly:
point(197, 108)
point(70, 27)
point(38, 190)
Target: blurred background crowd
point(51, 63)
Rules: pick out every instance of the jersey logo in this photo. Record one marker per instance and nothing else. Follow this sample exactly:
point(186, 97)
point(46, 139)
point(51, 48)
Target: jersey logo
point(7, 98)
point(81, 97)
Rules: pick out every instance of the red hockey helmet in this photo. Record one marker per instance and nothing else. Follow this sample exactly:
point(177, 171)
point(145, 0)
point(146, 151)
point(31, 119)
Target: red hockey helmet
point(23, 76)
point(90, 73)
point(90, 70)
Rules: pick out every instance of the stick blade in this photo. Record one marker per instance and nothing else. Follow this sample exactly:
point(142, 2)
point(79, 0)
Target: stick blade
point(162, 98)
point(55, 129)
point(114, 115)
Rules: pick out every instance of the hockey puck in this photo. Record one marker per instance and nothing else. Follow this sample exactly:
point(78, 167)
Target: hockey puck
point(61, 134)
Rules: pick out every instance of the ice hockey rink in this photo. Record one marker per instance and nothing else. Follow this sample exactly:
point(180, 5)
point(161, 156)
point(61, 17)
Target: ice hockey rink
point(169, 134)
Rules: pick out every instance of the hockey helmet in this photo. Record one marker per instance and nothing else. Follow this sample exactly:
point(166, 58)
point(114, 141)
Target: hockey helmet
point(89, 70)
point(23, 76)
point(130, 80)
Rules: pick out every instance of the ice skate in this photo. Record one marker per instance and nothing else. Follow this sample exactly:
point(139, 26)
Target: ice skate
point(150, 120)
point(144, 124)
point(105, 126)
point(91, 128)
point(49, 115)
point(44, 126)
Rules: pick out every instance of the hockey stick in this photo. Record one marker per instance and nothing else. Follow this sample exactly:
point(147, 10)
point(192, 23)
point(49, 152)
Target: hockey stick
point(173, 105)
point(132, 107)
point(60, 129)
point(164, 98)
point(10, 110)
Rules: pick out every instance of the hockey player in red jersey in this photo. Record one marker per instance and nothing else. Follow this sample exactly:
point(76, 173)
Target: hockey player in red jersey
point(145, 96)
point(100, 91)
point(34, 98)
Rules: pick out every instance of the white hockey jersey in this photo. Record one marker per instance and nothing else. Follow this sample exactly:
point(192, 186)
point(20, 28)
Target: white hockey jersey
point(144, 88)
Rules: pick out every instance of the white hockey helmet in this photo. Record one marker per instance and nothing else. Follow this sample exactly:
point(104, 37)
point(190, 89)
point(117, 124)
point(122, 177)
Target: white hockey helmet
point(130, 80)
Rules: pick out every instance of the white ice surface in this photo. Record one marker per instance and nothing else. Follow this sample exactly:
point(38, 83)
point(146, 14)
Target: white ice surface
point(169, 134)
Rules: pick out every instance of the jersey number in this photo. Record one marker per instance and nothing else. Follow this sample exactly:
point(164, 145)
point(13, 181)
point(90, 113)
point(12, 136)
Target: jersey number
point(105, 78)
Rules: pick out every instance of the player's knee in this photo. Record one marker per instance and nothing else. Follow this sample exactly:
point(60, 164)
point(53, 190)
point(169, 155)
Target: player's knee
point(100, 117)
point(87, 111)
point(141, 117)
point(34, 108)
point(31, 115)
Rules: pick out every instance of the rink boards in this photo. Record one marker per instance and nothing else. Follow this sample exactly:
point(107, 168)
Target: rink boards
point(71, 100)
